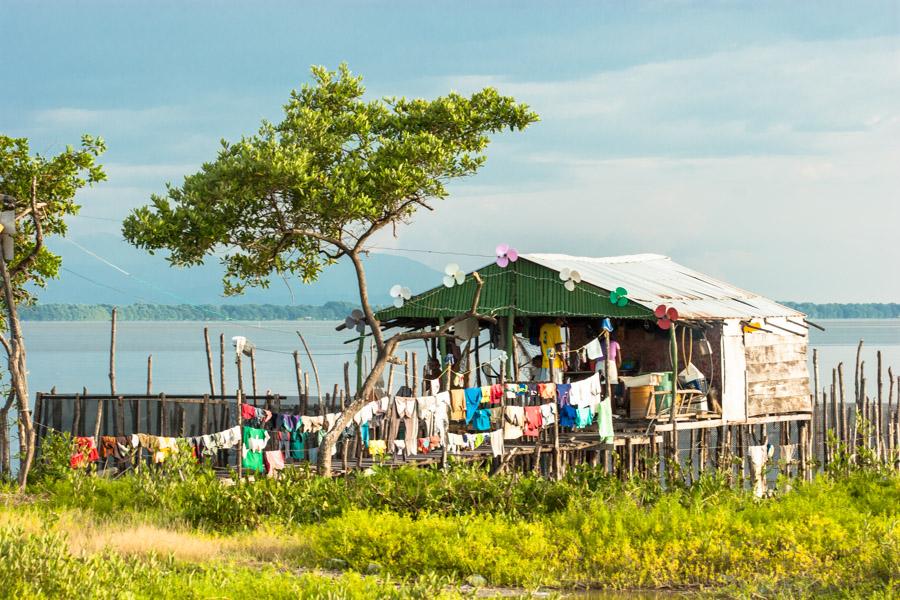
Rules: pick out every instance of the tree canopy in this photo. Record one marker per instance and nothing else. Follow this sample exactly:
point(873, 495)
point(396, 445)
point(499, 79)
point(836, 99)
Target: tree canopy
point(44, 190)
point(299, 194)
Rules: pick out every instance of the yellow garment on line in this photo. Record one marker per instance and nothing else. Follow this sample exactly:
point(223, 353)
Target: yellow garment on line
point(377, 448)
point(550, 335)
point(162, 447)
point(457, 405)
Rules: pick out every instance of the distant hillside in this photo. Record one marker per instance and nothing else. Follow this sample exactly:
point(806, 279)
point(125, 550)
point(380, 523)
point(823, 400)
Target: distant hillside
point(866, 310)
point(330, 311)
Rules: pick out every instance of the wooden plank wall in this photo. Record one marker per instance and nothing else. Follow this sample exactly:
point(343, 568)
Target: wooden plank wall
point(777, 371)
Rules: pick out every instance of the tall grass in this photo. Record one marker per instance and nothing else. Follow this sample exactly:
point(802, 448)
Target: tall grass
point(838, 535)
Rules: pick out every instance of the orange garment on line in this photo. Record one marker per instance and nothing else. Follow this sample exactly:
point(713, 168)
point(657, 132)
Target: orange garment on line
point(108, 447)
point(547, 391)
point(533, 421)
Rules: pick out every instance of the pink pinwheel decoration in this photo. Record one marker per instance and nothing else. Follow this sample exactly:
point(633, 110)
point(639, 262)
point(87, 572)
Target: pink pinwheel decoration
point(506, 255)
point(665, 316)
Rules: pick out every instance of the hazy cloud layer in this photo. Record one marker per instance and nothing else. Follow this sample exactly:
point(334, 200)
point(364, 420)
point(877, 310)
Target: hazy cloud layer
point(759, 146)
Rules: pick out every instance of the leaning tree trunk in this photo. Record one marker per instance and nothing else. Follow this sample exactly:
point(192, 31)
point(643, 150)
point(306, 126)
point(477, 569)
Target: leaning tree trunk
point(18, 379)
point(346, 416)
point(5, 466)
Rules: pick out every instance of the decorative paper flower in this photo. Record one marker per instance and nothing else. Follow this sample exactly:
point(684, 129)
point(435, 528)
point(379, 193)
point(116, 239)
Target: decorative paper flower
point(453, 275)
point(619, 296)
point(356, 320)
point(506, 255)
point(502, 356)
point(570, 277)
point(400, 295)
point(665, 316)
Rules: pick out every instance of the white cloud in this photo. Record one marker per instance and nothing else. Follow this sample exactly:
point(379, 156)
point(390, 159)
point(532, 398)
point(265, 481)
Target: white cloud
point(774, 168)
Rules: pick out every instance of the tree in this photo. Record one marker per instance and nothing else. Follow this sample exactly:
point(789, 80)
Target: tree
point(303, 193)
point(38, 193)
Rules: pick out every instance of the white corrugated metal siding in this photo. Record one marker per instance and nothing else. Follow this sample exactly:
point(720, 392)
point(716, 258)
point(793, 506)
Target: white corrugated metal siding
point(653, 279)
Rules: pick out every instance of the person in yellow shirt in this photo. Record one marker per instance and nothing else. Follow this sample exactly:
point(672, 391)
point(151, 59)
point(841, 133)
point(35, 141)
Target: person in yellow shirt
point(550, 336)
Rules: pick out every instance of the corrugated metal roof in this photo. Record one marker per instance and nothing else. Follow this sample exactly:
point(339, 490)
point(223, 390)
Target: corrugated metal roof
point(523, 288)
point(653, 279)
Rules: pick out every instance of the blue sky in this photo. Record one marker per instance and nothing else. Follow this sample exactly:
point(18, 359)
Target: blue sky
point(754, 141)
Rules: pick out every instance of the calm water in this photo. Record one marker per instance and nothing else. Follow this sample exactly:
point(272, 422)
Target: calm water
point(73, 355)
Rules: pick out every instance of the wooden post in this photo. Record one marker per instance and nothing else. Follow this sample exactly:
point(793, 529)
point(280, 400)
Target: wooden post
point(164, 415)
point(415, 375)
point(209, 362)
point(298, 372)
point(844, 430)
point(112, 353)
point(149, 392)
point(835, 421)
point(674, 408)
point(76, 417)
point(314, 367)
point(99, 416)
point(253, 373)
point(238, 399)
point(406, 369)
point(347, 393)
point(878, 416)
point(238, 361)
point(890, 412)
point(856, 396)
point(223, 407)
point(815, 387)
point(119, 424)
point(305, 407)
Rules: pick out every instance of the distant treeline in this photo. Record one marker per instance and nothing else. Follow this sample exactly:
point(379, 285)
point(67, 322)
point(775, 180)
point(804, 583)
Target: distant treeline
point(866, 310)
point(330, 311)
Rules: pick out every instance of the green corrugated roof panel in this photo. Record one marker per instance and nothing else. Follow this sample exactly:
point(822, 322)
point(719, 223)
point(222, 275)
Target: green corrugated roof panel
point(529, 288)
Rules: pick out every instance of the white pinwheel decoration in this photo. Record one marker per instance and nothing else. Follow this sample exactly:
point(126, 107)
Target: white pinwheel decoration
point(453, 275)
point(505, 255)
point(570, 277)
point(356, 320)
point(400, 295)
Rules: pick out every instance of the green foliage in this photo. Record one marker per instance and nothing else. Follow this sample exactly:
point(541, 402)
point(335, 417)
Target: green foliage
point(56, 181)
point(337, 167)
point(39, 565)
point(52, 463)
point(837, 535)
point(330, 311)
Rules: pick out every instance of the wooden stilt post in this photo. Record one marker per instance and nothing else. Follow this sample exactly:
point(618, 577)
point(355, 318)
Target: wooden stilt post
point(348, 395)
point(204, 410)
point(673, 342)
point(879, 413)
point(816, 407)
point(253, 374)
point(315, 369)
point(239, 420)
point(223, 407)
point(843, 407)
point(298, 372)
point(856, 395)
point(406, 370)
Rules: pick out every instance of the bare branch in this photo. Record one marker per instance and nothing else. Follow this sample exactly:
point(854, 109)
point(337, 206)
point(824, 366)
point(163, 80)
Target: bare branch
point(6, 346)
point(38, 234)
point(319, 236)
point(445, 327)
